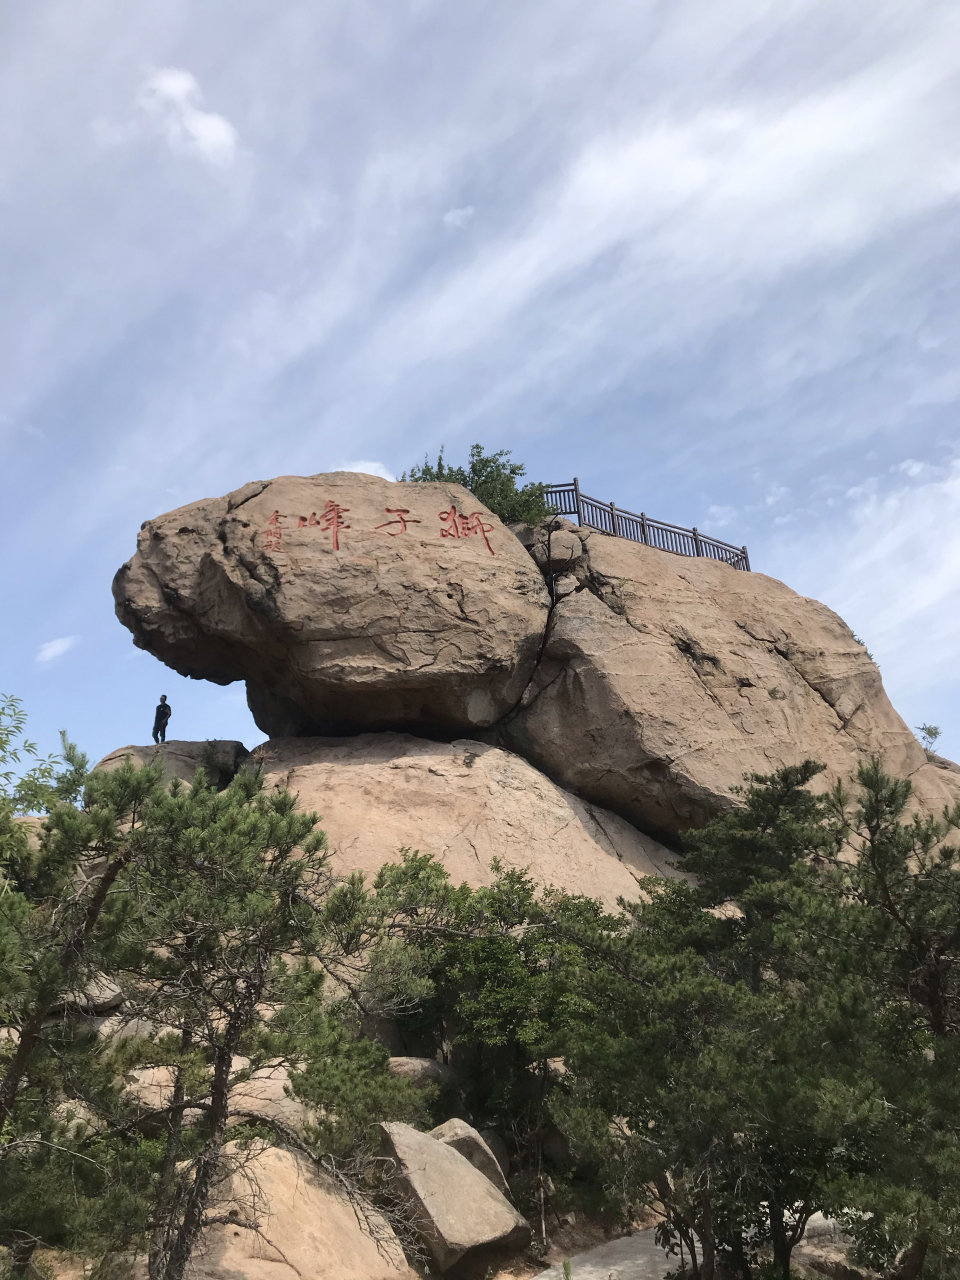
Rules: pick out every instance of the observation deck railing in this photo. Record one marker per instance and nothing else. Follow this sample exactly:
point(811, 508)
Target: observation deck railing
point(606, 517)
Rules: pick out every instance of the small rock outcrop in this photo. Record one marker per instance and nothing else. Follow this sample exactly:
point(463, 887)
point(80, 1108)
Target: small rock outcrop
point(472, 1146)
point(284, 1220)
point(422, 1072)
point(181, 759)
point(457, 1209)
point(346, 602)
point(464, 802)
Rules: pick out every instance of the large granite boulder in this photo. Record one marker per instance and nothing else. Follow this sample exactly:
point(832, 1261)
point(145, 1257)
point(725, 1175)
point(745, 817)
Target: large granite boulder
point(464, 802)
point(346, 602)
point(285, 1221)
point(665, 679)
point(643, 682)
point(457, 1210)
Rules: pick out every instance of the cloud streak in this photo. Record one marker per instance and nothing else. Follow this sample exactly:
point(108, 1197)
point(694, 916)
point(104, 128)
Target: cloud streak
point(171, 101)
point(53, 649)
point(702, 256)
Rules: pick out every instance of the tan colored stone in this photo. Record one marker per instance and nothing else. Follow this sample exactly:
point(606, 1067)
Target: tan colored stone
point(401, 626)
point(305, 1229)
point(665, 679)
point(465, 803)
point(456, 1208)
point(421, 1071)
point(473, 1147)
point(181, 759)
point(150, 1088)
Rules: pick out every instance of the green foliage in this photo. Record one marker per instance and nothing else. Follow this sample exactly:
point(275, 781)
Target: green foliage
point(239, 956)
point(492, 479)
point(929, 733)
point(59, 1182)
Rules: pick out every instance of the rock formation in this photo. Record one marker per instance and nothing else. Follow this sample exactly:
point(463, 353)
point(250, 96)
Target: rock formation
point(344, 601)
point(179, 759)
point(664, 679)
point(640, 681)
point(473, 1147)
point(457, 1209)
point(284, 1220)
point(464, 802)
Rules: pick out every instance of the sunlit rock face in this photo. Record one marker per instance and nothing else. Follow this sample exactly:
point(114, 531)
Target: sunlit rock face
point(665, 679)
point(346, 602)
point(646, 683)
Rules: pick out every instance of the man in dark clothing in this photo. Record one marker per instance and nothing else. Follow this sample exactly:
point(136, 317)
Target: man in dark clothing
point(160, 720)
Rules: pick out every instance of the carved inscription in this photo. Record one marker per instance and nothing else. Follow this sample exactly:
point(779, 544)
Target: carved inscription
point(330, 520)
point(458, 526)
point(401, 513)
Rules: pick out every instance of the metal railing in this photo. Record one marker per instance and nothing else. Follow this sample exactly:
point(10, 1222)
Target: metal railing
point(607, 517)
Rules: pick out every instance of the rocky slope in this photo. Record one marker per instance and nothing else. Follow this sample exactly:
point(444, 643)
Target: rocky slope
point(663, 680)
point(464, 802)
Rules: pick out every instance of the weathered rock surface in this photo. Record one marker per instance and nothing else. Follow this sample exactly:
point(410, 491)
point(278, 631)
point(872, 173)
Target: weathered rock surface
point(457, 1209)
point(471, 1145)
point(263, 1094)
point(664, 679)
point(289, 1221)
point(181, 759)
point(422, 1071)
point(641, 681)
point(345, 601)
point(464, 802)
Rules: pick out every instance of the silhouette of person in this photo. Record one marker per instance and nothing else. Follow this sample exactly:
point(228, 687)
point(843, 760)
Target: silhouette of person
point(160, 719)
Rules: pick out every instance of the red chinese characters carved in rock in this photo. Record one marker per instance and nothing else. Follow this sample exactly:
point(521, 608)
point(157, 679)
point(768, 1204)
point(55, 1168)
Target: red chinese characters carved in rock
point(273, 534)
point(458, 526)
point(402, 514)
point(330, 521)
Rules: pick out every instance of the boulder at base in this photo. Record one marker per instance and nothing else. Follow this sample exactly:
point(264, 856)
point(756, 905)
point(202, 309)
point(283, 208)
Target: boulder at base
point(665, 679)
point(465, 1139)
point(290, 1223)
point(456, 1208)
point(220, 758)
point(346, 602)
point(464, 802)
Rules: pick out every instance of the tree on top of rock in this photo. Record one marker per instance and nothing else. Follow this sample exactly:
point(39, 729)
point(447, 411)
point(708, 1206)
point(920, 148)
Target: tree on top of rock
point(493, 479)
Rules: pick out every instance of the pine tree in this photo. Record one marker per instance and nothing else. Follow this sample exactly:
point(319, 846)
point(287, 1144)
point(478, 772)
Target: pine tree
point(491, 478)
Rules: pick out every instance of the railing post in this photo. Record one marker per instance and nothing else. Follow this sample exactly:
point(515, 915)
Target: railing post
point(613, 518)
point(696, 541)
point(746, 559)
point(576, 493)
point(643, 528)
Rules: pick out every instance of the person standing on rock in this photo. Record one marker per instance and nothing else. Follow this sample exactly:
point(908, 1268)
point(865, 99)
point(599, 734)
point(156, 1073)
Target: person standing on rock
point(163, 714)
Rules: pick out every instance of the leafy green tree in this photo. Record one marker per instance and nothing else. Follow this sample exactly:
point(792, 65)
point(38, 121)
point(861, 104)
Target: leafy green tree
point(889, 912)
point(713, 1059)
point(929, 733)
point(56, 875)
point(492, 478)
point(503, 993)
point(238, 927)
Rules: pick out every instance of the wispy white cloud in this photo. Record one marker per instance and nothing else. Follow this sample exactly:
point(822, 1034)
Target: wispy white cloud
point(890, 565)
point(171, 99)
point(712, 248)
point(456, 219)
point(369, 468)
point(53, 649)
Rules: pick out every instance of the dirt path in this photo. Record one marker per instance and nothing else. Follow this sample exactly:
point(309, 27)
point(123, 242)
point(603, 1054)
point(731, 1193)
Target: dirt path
point(635, 1257)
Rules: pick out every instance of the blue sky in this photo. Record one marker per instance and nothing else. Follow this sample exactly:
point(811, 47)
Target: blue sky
point(704, 256)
